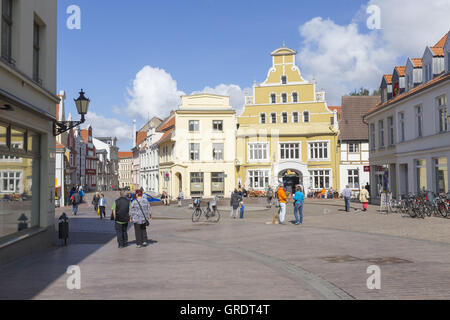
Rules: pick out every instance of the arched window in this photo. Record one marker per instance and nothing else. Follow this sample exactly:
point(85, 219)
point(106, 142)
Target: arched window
point(284, 98)
point(273, 98)
point(263, 118)
point(284, 117)
point(295, 117)
point(294, 97)
point(283, 79)
point(273, 117)
point(306, 116)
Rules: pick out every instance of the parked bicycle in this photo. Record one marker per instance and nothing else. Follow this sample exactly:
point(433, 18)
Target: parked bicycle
point(210, 212)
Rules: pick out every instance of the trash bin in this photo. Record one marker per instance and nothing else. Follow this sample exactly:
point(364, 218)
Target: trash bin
point(63, 228)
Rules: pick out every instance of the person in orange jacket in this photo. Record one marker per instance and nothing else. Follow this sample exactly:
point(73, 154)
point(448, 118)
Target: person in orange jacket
point(282, 199)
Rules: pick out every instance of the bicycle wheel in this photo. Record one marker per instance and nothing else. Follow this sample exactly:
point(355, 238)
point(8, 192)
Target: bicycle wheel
point(429, 209)
point(196, 214)
point(214, 216)
point(443, 210)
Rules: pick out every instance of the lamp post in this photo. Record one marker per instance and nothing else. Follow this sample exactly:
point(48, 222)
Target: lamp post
point(82, 104)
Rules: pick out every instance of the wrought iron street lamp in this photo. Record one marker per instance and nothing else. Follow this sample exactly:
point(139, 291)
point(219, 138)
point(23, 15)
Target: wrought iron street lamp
point(82, 104)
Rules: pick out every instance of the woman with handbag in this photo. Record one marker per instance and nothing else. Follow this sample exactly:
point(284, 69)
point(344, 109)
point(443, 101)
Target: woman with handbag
point(141, 213)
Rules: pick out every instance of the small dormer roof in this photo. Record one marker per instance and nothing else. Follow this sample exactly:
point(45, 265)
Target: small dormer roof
point(388, 78)
point(441, 43)
point(437, 51)
point(417, 62)
point(400, 70)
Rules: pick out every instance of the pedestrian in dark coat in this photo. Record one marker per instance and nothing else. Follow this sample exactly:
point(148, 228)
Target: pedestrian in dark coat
point(235, 201)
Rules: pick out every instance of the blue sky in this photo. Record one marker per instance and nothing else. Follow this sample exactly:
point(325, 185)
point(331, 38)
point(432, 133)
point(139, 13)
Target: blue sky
point(201, 43)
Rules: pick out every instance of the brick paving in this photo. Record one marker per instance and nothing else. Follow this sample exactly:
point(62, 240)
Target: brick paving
point(326, 258)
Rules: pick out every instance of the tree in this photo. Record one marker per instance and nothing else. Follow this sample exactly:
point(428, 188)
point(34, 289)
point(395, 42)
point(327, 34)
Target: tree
point(365, 92)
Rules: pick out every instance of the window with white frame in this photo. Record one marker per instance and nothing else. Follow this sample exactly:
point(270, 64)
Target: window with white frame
point(295, 117)
point(10, 181)
point(194, 151)
point(217, 125)
point(381, 134)
point(194, 125)
point(217, 151)
point(318, 150)
point(259, 179)
point(258, 151)
point(262, 118)
point(372, 136)
point(401, 126)
point(273, 117)
point(353, 179)
point(305, 116)
point(294, 97)
point(284, 98)
point(353, 147)
point(390, 124)
point(419, 121)
point(442, 113)
point(284, 117)
point(289, 151)
point(273, 98)
point(283, 79)
point(320, 179)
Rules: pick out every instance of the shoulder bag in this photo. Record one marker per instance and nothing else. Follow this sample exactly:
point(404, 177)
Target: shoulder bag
point(147, 223)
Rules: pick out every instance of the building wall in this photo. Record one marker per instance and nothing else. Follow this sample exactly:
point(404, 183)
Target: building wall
point(318, 129)
point(399, 160)
point(34, 109)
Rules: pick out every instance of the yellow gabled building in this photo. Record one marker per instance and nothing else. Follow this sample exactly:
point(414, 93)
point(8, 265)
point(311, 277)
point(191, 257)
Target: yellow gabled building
point(286, 132)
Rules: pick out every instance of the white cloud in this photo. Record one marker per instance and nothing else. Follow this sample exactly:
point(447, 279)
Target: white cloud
point(237, 95)
point(342, 58)
point(109, 127)
point(154, 93)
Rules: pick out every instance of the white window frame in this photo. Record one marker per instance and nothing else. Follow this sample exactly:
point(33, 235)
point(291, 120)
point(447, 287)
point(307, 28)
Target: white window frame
point(254, 160)
point(263, 174)
point(401, 126)
point(298, 117)
point(310, 143)
point(418, 109)
point(281, 79)
point(271, 96)
point(221, 153)
point(271, 117)
point(442, 125)
point(198, 125)
point(298, 143)
point(292, 97)
point(265, 118)
point(282, 117)
point(281, 97)
point(381, 143)
point(17, 181)
point(358, 147)
point(312, 176)
point(351, 176)
point(373, 134)
point(391, 131)
point(193, 151)
point(309, 116)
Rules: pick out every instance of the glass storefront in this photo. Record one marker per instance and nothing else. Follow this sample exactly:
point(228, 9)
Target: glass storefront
point(217, 183)
point(19, 179)
point(197, 183)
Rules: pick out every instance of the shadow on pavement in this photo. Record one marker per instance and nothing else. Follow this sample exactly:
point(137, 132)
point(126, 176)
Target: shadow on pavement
point(25, 278)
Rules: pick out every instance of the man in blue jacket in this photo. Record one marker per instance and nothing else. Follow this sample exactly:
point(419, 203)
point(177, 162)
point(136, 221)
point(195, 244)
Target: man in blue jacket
point(299, 197)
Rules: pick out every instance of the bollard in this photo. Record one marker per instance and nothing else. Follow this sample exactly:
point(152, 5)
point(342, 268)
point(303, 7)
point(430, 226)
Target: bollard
point(63, 228)
point(23, 224)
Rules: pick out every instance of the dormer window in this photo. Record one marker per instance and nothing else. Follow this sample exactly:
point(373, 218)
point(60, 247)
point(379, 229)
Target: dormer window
point(283, 79)
point(273, 98)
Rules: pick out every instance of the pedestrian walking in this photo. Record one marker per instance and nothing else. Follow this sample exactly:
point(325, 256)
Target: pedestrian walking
point(121, 217)
point(75, 200)
point(364, 198)
point(95, 201)
point(141, 214)
point(347, 194)
point(102, 206)
point(282, 199)
point(269, 195)
point(235, 200)
point(180, 198)
point(299, 197)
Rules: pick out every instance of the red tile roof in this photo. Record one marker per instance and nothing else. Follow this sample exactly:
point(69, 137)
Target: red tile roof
point(351, 125)
point(388, 78)
point(125, 154)
point(168, 122)
point(437, 51)
point(140, 137)
point(167, 135)
point(441, 43)
point(338, 108)
point(440, 78)
point(417, 62)
point(401, 70)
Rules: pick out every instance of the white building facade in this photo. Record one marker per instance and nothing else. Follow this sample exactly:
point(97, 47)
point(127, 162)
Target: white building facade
point(409, 134)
